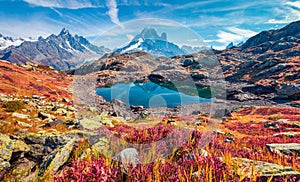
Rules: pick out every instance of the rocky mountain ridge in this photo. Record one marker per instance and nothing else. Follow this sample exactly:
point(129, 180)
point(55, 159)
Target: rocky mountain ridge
point(62, 51)
point(270, 58)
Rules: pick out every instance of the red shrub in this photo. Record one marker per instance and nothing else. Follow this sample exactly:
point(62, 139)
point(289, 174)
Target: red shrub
point(86, 171)
point(291, 117)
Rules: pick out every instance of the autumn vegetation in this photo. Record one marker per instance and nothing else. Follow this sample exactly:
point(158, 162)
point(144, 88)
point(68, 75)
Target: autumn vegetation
point(249, 134)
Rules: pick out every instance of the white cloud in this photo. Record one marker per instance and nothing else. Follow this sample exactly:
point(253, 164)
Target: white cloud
point(58, 12)
point(295, 4)
point(70, 4)
point(231, 34)
point(234, 34)
point(158, 22)
point(208, 41)
point(130, 37)
point(134, 27)
point(290, 12)
point(226, 37)
point(193, 4)
point(113, 12)
point(292, 15)
point(46, 26)
point(243, 32)
point(14, 27)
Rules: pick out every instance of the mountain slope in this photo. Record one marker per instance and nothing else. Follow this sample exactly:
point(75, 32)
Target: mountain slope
point(31, 79)
point(289, 33)
point(61, 51)
point(83, 41)
point(149, 41)
point(269, 58)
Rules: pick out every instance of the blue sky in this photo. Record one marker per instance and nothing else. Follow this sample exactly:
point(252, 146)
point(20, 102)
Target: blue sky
point(218, 22)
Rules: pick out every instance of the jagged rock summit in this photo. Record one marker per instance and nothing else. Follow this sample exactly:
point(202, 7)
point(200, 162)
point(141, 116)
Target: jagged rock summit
point(150, 33)
point(149, 41)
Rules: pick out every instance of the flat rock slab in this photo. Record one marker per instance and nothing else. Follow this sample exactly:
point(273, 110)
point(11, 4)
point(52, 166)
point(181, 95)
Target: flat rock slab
point(252, 168)
point(61, 157)
point(21, 116)
point(90, 124)
point(285, 148)
point(288, 134)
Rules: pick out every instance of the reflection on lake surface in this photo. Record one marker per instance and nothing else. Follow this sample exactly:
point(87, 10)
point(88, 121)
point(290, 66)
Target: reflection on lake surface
point(148, 94)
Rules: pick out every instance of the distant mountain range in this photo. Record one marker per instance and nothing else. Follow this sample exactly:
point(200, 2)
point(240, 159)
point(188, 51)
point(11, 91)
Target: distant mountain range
point(268, 56)
point(6, 42)
point(62, 51)
point(149, 41)
point(65, 52)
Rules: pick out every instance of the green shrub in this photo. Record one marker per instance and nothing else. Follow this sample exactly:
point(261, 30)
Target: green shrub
point(12, 106)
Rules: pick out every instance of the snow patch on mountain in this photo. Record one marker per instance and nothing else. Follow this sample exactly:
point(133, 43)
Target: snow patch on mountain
point(6, 42)
point(134, 47)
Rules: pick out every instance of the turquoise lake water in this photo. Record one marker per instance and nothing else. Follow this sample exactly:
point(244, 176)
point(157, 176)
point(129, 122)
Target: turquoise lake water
point(148, 94)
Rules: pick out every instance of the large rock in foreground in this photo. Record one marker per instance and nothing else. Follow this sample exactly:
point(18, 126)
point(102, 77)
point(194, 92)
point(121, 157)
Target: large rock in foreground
point(9, 150)
point(127, 157)
point(61, 157)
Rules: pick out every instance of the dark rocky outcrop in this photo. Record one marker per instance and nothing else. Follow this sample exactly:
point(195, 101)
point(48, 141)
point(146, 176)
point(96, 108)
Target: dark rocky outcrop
point(292, 29)
point(291, 91)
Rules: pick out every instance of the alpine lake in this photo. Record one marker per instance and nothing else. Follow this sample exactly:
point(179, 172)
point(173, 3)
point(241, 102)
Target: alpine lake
point(150, 94)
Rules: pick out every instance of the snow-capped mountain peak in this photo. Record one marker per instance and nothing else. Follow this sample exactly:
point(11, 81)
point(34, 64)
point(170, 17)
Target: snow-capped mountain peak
point(134, 47)
point(6, 42)
point(62, 51)
point(149, 41)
